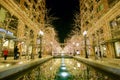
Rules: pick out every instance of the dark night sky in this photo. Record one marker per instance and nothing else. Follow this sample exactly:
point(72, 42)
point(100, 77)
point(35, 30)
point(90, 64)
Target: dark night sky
point(64, 10)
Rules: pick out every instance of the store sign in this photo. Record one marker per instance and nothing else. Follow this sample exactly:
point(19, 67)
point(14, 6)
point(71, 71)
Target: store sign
point(2, 30)
point(5, 31)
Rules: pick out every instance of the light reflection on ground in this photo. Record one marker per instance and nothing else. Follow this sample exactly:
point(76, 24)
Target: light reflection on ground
point(79, 71)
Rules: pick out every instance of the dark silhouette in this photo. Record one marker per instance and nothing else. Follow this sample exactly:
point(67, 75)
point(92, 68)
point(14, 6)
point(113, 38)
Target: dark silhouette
point(40, 54)
point(96, 55)
point(100, 54)
point(15, 52)
point(5, 52)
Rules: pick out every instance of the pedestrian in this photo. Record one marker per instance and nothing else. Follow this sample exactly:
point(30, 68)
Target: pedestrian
point(5, 52)
point(39, 54)
point(96, 55)
point(15, 52)
point(100, 54)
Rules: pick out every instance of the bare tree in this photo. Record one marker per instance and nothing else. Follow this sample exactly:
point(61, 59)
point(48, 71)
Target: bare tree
point(77, 24)
point(49, 18)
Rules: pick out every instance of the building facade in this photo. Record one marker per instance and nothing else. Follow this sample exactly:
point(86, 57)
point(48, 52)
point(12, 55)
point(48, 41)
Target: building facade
point(101, 20)
point(20, 23)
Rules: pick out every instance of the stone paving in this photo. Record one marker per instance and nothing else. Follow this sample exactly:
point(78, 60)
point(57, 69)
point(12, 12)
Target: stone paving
point(105, 64)
point(112, 61)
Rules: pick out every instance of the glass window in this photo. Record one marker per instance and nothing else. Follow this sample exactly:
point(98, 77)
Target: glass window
point(113, 24)
point(117, 49)
point(5, 44)
point(11, 45)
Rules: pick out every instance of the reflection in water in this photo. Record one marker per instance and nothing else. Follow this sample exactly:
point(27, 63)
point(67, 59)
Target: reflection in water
point(63, 73)
point(45, 71)
point(79, 71)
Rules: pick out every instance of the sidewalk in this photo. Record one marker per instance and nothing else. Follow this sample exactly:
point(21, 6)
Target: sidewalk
point(110, 61)
point(9, 72)
point(22, 58)
point(11, 59)
point(109, 65)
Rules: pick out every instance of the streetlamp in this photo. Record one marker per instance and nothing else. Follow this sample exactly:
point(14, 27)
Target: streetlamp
point(74, 49)
point(40, 36)
point(84, 34)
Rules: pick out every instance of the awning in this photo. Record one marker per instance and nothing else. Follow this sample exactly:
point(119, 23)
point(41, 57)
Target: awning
point(7, 34)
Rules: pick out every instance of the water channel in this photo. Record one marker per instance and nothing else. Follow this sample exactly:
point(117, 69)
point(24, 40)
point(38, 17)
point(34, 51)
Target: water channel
point(53, 69)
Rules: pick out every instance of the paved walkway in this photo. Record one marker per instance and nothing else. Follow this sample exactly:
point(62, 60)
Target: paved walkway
point(110, 61)
point(10, 61)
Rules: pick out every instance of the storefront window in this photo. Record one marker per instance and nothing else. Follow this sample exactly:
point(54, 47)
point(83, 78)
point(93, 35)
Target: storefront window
point(103, 51)
point(117, 49)
point(30, 50)
point(11, 45)
point(5, 44)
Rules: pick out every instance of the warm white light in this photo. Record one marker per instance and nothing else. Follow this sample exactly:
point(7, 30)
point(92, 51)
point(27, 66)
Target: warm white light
point(77, 44)
point(78, 52)
point(62, 54)
point(64, 74)
point(51, 42)
point(104, 48)
point(50, 68)
point(41, 32)
point(2, 66)
point(70, 62)
point(84, 33)
point(20, 62)
point(7, 65)
point(63, 64)
point(22, 42)
point(73, 43)
point(74, 67)
point(78, 65)
point(63, 68)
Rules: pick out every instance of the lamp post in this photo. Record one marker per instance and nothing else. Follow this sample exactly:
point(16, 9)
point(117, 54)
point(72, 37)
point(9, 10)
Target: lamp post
point(51, 43)
point(74, 49)
point(40, 35)
point(84, 34)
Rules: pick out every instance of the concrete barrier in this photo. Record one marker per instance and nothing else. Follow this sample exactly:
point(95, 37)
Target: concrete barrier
point(101, 65)
point(13, 71)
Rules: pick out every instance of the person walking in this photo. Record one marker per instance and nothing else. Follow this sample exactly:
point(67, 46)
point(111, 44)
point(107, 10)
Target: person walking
point(5, 52)
point(15, 52)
